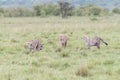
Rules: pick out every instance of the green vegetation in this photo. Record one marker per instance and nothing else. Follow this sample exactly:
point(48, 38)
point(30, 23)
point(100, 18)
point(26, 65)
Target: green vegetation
point(116, 10)
point(63, 9)
point(91, 10)
point(53, 63)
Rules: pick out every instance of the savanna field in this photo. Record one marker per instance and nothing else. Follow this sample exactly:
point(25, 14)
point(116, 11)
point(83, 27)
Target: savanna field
point(75, 62)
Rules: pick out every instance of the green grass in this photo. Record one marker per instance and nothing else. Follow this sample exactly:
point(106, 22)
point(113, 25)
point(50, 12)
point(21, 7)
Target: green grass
point(53, 63)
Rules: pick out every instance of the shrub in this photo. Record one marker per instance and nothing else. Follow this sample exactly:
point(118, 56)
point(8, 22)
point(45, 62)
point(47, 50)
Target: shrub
point(82, 71)
point(116, 10)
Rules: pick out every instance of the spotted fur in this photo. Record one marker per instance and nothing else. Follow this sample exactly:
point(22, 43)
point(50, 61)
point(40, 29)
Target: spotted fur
point(34, 44)
point(63, 40)
point(94, 41)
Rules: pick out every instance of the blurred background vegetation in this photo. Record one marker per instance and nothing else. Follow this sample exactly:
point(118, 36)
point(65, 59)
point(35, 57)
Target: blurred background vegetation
point(61, 8)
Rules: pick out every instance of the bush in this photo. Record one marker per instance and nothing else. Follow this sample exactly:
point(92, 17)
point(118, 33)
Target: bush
point(116, 10)
point(82, 71)
point(66, 9)
point(46, 10)
point(18, 12)
point(1, 12)
point(91, 10)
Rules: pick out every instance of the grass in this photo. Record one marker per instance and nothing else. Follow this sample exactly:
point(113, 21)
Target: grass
point(53, 63)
